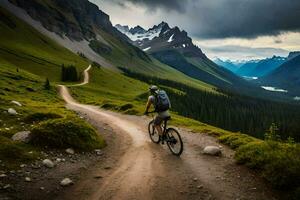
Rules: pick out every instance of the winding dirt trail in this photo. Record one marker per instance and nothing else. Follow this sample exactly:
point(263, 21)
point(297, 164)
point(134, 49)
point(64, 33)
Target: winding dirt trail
point(135, 168)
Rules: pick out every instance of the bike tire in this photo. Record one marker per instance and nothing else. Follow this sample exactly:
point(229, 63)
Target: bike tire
point(172, 134)
point(153, 135)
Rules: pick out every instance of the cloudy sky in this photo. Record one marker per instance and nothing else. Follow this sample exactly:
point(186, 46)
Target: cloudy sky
point(233, 29)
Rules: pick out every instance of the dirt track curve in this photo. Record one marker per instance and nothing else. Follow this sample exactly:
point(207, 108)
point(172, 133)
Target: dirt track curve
point(135, 168)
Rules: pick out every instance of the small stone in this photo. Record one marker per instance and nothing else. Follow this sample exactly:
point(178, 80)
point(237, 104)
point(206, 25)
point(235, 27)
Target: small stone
point(16, 103)
point(200, 186)
point(58, 159)
point(66, 182)
point(3, 175)
point(23, 165)
point(27, 179)
point(98, 176)
point(48, 163)
point(98, 152)
point(195, 179)
point(12, 111)
point(42, 188)
point(7, 186)
point(108, 167)
point(70, 151)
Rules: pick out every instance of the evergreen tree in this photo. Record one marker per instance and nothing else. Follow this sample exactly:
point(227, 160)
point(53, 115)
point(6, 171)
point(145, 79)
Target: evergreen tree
point(47, 85)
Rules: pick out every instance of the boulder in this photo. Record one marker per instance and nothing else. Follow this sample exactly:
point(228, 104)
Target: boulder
point(212, 150)
point(66, 182)
point(48, 163)
point(23, 136)
point(16, 103)
point(12, 111)
point(70, 151)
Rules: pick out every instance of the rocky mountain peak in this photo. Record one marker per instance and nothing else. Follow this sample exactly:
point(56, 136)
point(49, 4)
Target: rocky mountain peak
point(137, 30)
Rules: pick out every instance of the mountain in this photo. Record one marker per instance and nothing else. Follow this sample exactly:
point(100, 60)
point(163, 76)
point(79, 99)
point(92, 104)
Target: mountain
point(227, 64)
point(247, 68)
point(293, 54)
point(175, 48)
point(83, 28)
point(258, 68)
point(287, 76)
point(266, 66)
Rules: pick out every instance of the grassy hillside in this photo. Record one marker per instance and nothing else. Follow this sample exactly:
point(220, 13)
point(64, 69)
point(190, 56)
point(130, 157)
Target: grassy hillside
point(24, 47)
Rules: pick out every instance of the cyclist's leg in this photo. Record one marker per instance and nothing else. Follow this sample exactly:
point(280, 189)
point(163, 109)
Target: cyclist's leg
point(157, 124)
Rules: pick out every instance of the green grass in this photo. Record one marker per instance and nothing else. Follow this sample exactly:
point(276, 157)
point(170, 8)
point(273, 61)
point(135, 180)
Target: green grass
point(23, 47)
point(40, 107)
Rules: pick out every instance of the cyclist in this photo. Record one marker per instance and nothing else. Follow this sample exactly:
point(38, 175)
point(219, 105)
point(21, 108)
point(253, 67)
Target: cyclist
point(160, 101)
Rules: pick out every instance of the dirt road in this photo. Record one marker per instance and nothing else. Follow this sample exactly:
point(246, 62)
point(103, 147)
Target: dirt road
point(135, 168)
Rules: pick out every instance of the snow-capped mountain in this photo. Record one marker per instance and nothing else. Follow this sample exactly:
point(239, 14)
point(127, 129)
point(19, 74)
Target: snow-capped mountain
point(175, 48)
point(161, 37)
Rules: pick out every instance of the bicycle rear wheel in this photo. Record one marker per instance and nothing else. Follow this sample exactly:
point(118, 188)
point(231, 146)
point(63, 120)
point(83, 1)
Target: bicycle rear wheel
point(174, 141)
point(154, 136)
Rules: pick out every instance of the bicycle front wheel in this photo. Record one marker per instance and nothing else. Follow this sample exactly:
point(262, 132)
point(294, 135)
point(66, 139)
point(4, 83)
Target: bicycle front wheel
point(174, 141)
point(154, 136)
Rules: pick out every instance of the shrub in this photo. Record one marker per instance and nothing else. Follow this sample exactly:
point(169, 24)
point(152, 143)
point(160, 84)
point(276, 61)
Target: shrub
point(235, 140)
point(69, 73)
point(279, 162)
point(40, 116)
point(63, 133)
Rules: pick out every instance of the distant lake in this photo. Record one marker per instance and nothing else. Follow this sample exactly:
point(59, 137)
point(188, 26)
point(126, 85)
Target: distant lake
point(273, 89)
point(249, 78)
point(297, 98)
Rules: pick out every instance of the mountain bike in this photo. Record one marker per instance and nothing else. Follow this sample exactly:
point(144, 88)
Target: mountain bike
point(170, 135)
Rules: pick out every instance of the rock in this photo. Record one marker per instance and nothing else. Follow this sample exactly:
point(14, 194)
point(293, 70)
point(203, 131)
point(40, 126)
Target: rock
point(23, 165)
point(66, 182)
point(98, 152)
point(200, 186)
point(42, 188)
point(3, 175)
point(17, 103)
point(7, 186)
point(212, 150)
point(12, 111)
point(98, 176)
point(58, 159)
point(27, 179)
point(108, 167)
point(23, 136)
point(195, 179)
point(48, 163)
point(70, 151)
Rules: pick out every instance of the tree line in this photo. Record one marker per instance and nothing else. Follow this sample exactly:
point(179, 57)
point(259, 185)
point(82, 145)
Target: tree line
point(69, 73)
point(229, 111)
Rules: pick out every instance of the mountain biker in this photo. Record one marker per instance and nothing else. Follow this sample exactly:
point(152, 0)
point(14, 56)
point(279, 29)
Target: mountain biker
point(162, 111)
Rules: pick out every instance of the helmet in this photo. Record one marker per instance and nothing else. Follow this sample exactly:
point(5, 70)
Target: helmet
point(153, 89)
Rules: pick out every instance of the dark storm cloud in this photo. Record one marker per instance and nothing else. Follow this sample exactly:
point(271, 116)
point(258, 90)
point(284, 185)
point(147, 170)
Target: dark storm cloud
point(229, 18)
point(169, 5)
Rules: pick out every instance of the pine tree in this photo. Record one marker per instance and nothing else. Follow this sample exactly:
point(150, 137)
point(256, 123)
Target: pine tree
point(47, 85)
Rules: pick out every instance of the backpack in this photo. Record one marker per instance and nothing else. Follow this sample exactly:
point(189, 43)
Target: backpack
point(162, 102)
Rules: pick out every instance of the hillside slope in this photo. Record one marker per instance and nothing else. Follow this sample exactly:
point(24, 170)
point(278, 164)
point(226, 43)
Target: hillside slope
point(101, 43)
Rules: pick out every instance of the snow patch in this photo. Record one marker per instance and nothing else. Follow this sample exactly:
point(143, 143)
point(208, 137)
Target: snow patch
point(146, 49)
point(171, 39)
point(149, 35)
point(273, 89)
point(183, 45)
